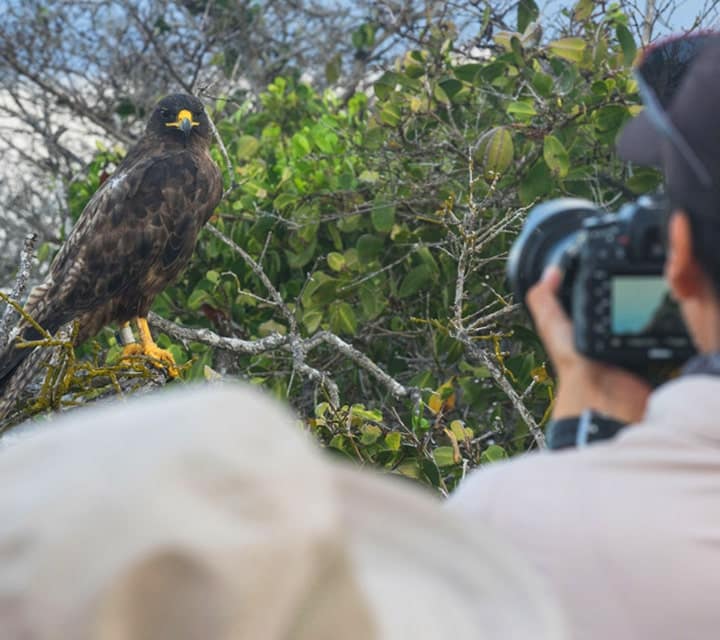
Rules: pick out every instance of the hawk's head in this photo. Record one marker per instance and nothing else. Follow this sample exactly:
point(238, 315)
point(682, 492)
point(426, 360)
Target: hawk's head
point(180, 117)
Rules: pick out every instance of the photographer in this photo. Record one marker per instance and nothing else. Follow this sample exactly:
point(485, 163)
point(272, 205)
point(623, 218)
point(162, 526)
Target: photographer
point(628, 529)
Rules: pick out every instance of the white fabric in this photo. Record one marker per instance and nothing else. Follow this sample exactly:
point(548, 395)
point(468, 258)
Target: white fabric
point(206, 513)
point(627, 531)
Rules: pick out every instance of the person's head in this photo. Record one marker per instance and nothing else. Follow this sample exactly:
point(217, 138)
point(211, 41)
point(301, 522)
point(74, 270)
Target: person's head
point(206, 512)
point(679, 132)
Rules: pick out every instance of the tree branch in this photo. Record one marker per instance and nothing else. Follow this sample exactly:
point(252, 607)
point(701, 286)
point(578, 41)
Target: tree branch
point(18, 290)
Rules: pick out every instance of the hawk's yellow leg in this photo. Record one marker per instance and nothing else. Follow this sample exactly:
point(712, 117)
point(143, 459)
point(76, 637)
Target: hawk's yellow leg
point(147, 347)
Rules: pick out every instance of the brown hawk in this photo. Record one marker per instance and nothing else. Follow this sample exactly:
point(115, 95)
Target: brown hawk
point(133, 238)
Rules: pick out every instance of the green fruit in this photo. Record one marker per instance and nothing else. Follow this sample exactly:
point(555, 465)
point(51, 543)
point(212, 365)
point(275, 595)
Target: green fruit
point(494, 152)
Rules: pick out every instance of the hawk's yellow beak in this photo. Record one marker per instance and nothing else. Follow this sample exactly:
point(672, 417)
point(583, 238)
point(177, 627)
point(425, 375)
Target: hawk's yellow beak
point(184, 122)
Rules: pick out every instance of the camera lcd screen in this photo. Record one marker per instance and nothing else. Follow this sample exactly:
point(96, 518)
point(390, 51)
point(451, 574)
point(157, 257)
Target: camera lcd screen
point(641, 305)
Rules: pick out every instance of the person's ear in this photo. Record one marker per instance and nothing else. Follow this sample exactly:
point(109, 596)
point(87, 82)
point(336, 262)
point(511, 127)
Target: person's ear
point(682, 271)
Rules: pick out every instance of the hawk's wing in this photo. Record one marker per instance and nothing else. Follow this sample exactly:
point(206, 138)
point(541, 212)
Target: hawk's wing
point(137, 232)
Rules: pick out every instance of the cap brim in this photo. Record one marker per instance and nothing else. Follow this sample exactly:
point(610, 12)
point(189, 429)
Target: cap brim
point(640, 142)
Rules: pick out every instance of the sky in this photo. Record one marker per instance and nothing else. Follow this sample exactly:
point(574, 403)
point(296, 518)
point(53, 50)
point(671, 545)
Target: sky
point(678, 20)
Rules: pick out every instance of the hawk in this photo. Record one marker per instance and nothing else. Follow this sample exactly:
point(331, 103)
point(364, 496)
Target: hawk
point(133, 238)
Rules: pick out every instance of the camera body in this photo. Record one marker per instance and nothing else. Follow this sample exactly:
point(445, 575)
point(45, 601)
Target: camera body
point(613, 286)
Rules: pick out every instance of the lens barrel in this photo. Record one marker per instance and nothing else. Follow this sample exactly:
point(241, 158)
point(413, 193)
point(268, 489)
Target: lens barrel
point(549, 231)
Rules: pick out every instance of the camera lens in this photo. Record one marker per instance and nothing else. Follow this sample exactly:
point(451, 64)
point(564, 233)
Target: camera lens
point(549, 232)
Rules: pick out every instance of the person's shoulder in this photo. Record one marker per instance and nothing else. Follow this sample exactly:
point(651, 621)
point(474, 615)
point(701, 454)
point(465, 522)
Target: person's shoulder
point(544, 480)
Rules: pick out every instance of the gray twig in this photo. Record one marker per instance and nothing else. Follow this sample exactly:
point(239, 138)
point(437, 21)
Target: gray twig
point(212, 339)
point(484, 357)
point(359, 358)
point(260, 273)
point(225, 155)
point(470, 241)
point(19, 287)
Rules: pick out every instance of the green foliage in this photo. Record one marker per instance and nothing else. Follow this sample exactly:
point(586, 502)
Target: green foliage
point(363, 209)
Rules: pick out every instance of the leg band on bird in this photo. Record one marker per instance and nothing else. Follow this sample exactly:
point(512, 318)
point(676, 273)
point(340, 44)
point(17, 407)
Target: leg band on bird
point(126, 334)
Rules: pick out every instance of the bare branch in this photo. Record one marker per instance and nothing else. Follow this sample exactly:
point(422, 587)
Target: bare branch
point(205, 336)
point(19, 287)
point(359, 358)
point(480, 355)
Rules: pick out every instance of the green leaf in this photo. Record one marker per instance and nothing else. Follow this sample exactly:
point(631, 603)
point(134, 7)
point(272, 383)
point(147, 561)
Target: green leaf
point(521, 110)
point(247, 147)
point(285, 200)
point(571, 49)
point(503, 38)
point(342, 319)
point(430, 471)
point(300, 259)
point(527, 12)
point(468, 72)
point(333, 69)
point(372, 301)
point(359, 411)
point(383, 216)
point(212, 276)
point(271, 326)
point(390, 116)
point(312, 319)
point(370, 433)
point(300, 145)
point(583, 10)
point(458, 429)
point(386, 84)
point(393, 440)
point(444, 457)
point(627, 42)
point(493, 453)
point(336, 261)
point(556, 156)
point(415, 280)
point(369, 247)
point(542, 83)
point(451, 87)
point(440, 94)
point(326, 292)
point(609, 119)
point(537, 183)
point(643, 179)
point(370, 177)
point(197, 299)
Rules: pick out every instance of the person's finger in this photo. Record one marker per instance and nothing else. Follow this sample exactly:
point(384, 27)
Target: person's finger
point(543, 302)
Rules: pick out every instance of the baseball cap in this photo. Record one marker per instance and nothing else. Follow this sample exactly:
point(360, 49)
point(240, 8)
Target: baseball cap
point(678, 129)
point(207, 512)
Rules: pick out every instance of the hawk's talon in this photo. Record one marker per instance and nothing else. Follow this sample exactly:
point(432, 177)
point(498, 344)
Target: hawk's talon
point(160, 358)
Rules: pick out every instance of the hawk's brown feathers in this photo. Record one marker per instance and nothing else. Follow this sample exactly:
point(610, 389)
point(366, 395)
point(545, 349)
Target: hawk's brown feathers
point(136, 234)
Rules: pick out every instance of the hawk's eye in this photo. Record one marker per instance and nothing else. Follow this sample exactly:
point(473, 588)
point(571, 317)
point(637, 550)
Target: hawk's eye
point(165, 113)
point(197, 114)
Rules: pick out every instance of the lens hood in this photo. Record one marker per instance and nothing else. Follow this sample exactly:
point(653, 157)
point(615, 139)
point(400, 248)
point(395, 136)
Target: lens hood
point(549, 227)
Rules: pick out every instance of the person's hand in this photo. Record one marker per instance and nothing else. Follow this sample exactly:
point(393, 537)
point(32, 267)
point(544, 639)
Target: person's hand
point(582, 383)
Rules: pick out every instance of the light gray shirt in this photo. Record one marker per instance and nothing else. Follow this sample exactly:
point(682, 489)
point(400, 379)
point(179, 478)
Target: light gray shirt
point(628, 531)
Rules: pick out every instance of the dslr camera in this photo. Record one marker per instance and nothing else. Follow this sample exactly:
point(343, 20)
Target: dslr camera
point(613, 286)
